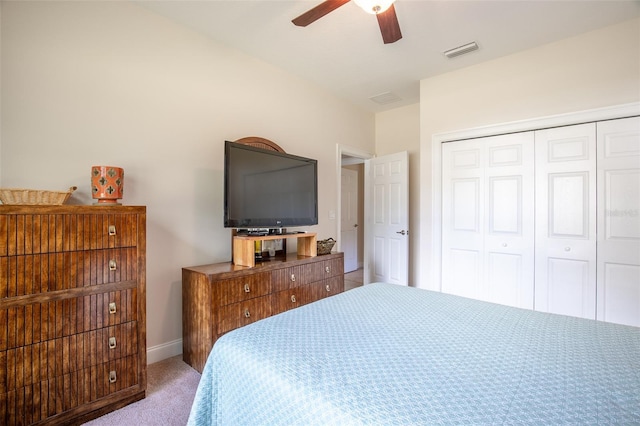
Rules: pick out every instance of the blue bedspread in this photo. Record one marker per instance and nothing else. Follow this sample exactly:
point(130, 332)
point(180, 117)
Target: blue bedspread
point(390, 355)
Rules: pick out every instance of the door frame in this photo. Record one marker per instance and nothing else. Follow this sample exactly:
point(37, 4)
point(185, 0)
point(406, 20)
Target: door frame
point(431, 159)
point(358, 156)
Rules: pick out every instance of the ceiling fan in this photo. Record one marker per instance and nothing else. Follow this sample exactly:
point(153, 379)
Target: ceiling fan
point(383, 9)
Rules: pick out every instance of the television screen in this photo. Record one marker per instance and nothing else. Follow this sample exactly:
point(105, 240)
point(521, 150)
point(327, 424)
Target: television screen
point(268, 189)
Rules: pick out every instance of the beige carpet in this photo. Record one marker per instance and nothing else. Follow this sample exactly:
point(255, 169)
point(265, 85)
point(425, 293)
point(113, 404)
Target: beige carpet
point(171, 387)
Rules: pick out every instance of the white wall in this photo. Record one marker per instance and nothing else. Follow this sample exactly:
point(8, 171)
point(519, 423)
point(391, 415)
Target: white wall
point(110, 83)
point(593, 70)
point(398, 130)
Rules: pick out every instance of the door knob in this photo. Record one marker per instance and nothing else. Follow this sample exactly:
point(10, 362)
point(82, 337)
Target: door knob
point(403, 232)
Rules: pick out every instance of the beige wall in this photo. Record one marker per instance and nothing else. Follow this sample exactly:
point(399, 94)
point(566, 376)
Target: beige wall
point(593, 70)
point(398, 130)
point(110, 83)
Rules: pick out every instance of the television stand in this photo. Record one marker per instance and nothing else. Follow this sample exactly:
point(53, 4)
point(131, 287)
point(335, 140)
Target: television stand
point(243, 246)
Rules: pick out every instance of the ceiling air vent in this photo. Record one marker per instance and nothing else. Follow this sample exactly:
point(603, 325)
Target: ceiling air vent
point(461, 50)
point(385, 98)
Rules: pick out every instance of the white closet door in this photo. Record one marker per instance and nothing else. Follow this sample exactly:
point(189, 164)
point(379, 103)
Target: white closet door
point(463, 218)
point(565, 272)
point(488, 219)
point(619, 221)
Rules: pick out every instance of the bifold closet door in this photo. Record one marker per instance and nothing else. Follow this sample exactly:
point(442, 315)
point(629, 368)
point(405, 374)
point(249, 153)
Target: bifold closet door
point(487, 223)
point(565, 244)
point(619, 221)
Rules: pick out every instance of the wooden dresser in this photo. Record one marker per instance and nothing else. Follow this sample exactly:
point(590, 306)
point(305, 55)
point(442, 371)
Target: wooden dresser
point(72, 312)
point(220, 297)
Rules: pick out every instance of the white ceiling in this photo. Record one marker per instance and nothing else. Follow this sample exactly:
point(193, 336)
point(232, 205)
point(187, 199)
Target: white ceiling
point(343, 51)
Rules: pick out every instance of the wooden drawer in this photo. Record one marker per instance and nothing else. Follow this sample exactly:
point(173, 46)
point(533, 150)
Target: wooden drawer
point(239, 314)
point(243, 288)
point(328, 287)
point(293, 298)
point(29, 323)
point(322, 269)
point(41, 273)
point(51, 233)
point(294, 276)
point(40, 400)
point(26, 365)
point(299, 296)
point(332, 267)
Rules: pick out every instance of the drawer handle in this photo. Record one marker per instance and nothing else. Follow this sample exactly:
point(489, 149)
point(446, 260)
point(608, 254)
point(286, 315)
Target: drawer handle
point(293, 277)
point(113, 265)
point(327, 269)
point(112, 376)
point(293, 298)
point(247, 314)
point(112, 342)
point(112, 307)
point(247, 289)
point(328, 288)
point(112, 230)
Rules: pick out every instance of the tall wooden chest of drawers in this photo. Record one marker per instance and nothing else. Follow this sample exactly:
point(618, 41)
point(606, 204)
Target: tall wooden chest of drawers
point(221, 297)
point(72, 312)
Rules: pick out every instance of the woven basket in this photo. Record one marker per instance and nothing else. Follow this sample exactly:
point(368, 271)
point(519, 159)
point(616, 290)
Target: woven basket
point(325, 246)
point(34, 196)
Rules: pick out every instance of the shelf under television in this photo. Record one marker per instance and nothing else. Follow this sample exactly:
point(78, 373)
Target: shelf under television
point(243, 246)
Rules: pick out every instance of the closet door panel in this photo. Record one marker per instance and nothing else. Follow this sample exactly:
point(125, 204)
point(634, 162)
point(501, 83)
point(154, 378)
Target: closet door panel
point(488, 219)
point(463, 241)
point(464, 275)
point(618, 291)
point(509, 230)
point(569, 288)
point(565, 242)
point(505, 280)
point(568, 205)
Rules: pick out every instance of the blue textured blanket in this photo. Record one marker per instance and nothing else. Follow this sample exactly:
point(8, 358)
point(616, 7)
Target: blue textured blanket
point(390, 355)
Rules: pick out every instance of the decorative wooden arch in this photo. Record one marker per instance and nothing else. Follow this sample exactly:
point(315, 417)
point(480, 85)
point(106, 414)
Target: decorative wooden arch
point(260, 143)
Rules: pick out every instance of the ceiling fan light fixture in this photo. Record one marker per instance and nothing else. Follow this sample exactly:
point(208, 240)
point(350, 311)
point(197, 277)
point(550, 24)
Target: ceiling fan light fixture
point(374, 6)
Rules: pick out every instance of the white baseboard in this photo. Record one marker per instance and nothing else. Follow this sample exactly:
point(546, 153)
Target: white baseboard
point(164, 351)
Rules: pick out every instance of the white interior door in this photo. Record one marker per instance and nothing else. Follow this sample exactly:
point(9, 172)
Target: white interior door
point(618, 284)
point(487, 216)
point(387, 219)
point(349, 219)
point(565, 281)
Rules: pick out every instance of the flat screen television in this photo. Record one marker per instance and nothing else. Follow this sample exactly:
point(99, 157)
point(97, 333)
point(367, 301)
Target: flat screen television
point(268, 189)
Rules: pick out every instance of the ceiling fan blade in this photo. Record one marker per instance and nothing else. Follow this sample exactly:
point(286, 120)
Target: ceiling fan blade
point(318, 12)
point(389, 26)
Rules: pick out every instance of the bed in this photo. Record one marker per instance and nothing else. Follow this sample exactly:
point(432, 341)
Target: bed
point(390, 355)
